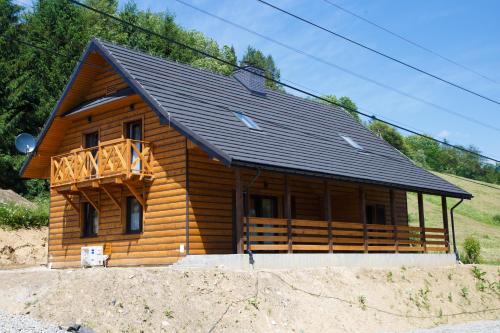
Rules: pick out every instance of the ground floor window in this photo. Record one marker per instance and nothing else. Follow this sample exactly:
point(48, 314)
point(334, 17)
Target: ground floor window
point(134, 215)
point(264, 206)
point(375, 214)
point(90, 220)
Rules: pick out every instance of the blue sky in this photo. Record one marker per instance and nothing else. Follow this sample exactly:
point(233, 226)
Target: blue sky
point(466, 31)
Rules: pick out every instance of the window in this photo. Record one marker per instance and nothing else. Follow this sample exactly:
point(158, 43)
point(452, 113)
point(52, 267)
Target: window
point(134, 215)
point(375, 214)
point(264, 206)
point(90, 220)
point(133, 130)
point(351, 142)
point(249, 122)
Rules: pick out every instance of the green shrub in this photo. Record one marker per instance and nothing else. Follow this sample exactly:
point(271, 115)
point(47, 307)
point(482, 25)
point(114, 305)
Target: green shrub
point(496, 218)
point(16, 217)
point(472, 251)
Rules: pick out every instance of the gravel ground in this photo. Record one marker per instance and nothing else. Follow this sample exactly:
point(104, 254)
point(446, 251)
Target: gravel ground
point(10, 323)
point(472, 327)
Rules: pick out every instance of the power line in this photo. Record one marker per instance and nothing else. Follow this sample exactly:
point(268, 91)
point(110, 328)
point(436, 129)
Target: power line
point(206, 54)
point(420, 46)
point(270, 123)
point(385, 55)
point(328, 63)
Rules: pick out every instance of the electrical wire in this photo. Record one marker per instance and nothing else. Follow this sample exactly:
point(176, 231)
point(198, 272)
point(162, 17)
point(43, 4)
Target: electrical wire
point(407, 40)
point(206, 54)
point(380, 53)
point(328, 63)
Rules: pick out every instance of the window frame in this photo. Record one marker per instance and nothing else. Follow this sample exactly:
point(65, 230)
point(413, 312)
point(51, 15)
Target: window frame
point(83, 216)
point(247, 121)
point(128, 219)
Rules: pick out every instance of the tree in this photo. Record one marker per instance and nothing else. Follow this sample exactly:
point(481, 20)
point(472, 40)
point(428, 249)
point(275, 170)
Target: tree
point(347, 104)
point(389, 134)
point(256, 58)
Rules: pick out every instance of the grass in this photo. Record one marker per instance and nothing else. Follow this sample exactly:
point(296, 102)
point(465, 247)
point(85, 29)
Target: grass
point(14, 216)
point(477, 217)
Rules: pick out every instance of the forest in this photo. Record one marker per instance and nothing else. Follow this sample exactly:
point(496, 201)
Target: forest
point(40, 46)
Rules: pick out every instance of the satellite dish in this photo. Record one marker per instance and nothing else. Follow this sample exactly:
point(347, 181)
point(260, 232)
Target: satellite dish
point(25, 143)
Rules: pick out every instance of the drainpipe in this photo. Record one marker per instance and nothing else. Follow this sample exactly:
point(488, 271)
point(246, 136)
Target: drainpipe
point(453, 229)
point(246, 194)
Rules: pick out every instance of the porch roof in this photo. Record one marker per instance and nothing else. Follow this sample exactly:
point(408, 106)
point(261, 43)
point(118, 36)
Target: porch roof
point(296, 134)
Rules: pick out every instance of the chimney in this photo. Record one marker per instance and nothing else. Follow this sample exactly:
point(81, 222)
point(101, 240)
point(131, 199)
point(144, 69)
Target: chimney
point(249, 76)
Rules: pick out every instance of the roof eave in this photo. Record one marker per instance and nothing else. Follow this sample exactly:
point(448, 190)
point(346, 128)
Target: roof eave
point(458, 195)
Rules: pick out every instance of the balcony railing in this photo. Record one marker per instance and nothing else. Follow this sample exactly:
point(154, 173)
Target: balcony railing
point(123, 158)
point(282, 235)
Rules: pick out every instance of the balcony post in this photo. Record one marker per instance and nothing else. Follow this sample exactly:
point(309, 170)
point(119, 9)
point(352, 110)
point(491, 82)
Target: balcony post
point(362, 203)
point(129, 158)
point(393, 220)
point(445, 223)
point(288, 213)
point(239, 213)
point(328, 216)
point(421, 220)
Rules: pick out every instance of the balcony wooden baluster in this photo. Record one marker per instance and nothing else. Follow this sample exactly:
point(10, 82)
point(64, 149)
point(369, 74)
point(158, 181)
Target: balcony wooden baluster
point(114, 161)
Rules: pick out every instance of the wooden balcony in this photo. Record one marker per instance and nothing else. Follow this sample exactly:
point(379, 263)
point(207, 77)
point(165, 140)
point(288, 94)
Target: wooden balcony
point(113, 161)
point(282, 235)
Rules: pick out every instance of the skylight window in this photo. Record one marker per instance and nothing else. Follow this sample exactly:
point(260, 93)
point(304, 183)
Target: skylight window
point(249, 122)
point(352, 142)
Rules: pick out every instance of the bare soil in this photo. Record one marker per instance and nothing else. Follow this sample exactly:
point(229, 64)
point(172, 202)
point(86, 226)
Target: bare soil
point(23, 247)
point(217, 300)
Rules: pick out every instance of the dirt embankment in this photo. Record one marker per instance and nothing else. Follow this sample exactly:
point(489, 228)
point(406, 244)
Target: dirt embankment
point(329, 300)
point(23, 247)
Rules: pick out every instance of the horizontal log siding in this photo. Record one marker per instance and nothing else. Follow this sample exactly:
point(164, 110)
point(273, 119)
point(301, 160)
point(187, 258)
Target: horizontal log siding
point(164, 218)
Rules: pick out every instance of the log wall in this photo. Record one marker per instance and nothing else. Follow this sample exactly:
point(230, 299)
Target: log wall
point(165, 214)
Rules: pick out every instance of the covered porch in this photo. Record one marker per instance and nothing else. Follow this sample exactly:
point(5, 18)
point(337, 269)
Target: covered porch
point(274, 216)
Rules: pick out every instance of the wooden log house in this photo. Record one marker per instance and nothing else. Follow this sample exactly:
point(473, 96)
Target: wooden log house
point(155, 160)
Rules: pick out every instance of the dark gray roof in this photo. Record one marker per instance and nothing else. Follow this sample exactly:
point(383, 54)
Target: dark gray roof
point(298, 135)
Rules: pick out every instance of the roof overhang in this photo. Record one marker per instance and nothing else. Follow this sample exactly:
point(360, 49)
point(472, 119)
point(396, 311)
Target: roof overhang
point(467, 196)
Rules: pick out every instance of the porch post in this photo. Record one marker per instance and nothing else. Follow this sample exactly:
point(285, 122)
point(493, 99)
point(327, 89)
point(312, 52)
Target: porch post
point(362, 202)
point(421, 220)
point(445, 223)
point(239, 212)
point(393, 220)
point(328, 216)
point(288, 213)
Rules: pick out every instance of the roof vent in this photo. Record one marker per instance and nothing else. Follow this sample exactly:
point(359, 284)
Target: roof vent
point(252, 78)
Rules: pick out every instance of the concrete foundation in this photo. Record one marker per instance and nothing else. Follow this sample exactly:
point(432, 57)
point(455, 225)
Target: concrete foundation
point(315, 260)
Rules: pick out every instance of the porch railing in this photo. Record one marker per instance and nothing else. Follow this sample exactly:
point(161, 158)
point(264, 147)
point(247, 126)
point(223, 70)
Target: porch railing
point(282, 235)
point(123, 157)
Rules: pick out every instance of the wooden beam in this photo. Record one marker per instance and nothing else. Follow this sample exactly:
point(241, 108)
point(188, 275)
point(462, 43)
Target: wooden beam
point(328, 215)
point(75, 206)
point(362, 204)
point(239, 212)
point(393, 219)
point(96, 206)
point(117, 204)
point(136, 194)
point(421, 220)
point(288, 213)
point(444, 209)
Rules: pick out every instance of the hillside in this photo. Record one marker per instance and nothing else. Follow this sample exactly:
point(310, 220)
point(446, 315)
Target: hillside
point(474, 217)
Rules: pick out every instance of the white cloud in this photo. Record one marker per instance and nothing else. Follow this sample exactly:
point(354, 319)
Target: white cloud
point(444, 134)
